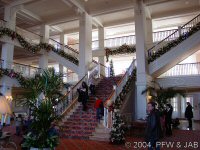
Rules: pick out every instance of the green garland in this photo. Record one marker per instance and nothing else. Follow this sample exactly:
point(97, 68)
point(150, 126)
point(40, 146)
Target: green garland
point(10, 73)
point(36, 48)
point(124, 49)
point(173, 43)
point(125, 90)
point(117, 130)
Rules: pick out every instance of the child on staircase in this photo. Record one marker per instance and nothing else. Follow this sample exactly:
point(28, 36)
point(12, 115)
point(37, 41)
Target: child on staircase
point(98, 106)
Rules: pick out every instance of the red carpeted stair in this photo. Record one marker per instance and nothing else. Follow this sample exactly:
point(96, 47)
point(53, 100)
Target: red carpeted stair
point(81, 124)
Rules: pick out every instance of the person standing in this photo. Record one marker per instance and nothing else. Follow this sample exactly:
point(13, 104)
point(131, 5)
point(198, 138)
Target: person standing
point(168, 119)
point(98, 106)
point(153, 129)
point(83, 95)
point(189, 114)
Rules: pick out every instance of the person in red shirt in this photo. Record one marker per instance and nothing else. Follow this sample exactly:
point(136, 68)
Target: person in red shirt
point(98, 106)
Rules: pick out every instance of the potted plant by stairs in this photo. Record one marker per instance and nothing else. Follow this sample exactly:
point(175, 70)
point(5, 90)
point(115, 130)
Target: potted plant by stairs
point(43, 96)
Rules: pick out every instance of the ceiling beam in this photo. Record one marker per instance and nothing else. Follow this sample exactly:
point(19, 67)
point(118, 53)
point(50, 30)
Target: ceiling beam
point(82, 9)
point(19, 2)
point(154, 2)
point(30, 14)
point(97, 22)
point(147, 12)
point(56, 28)
point(76, 4)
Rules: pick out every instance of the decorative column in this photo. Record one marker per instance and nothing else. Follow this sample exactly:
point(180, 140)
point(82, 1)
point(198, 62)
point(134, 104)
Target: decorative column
point(45, 33)
point(149, 33)
point(141, 82)
point(85, 44)
point(7, 54)
point(63, 40)
point(101, 34)
point(43, 60)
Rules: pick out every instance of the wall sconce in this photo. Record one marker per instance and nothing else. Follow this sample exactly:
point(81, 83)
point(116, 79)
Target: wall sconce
point(4, 106)
point(9, 98)
point(149, 97)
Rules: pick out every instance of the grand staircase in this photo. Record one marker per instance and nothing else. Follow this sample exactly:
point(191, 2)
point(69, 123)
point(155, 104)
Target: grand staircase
point(81, 124)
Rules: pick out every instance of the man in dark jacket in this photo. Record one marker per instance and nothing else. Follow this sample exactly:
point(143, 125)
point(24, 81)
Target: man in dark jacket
point(153, 129)
point(168, 119)
point(189, 114)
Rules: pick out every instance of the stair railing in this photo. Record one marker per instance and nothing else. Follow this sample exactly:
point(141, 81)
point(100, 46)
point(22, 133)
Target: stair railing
point(71, 99)
point(23, 69)
point(183, 70)
point(34, 38)
point(72, 95)
point(116, 91)
point(182, 31)
point(29, 36)
point(59, 46)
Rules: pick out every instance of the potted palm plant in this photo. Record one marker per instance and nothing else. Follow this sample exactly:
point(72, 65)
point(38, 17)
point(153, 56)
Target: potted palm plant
point(43, 96)
point(162, 95)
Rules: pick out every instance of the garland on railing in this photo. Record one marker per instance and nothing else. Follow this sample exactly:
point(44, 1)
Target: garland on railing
point(173, 43)
point(117, 130)
point(124, 49)
point(36, 48)
point(10, 73)
point(125, 90)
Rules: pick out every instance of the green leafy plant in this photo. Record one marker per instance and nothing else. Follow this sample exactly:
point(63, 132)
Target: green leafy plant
point(43, 96)
point(162, 95)
point(112, 73)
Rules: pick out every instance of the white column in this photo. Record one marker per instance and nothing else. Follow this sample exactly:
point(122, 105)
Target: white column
point(45, 33)
point(63, 40)
point(43, 61)
point(10, 17)
point(8, 49)
point(149, 33)
point(141, 59)
point(85, 43)
point(101, 47)
point(7, 55)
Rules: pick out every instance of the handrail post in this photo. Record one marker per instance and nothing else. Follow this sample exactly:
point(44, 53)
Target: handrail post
point(70, 94)
point(115, 92)
point(105, 117)
point(99, 69)
point(179, 31)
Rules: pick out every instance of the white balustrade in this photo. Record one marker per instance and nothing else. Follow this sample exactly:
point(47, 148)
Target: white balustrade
point(183, 70)
point(116, 91)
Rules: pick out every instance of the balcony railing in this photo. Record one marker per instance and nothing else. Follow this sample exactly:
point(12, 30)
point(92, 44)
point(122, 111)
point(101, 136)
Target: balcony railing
point(183, 70)
point(129, 40)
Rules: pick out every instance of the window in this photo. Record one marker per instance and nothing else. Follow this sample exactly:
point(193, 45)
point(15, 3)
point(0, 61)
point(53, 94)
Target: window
point(174, 103)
